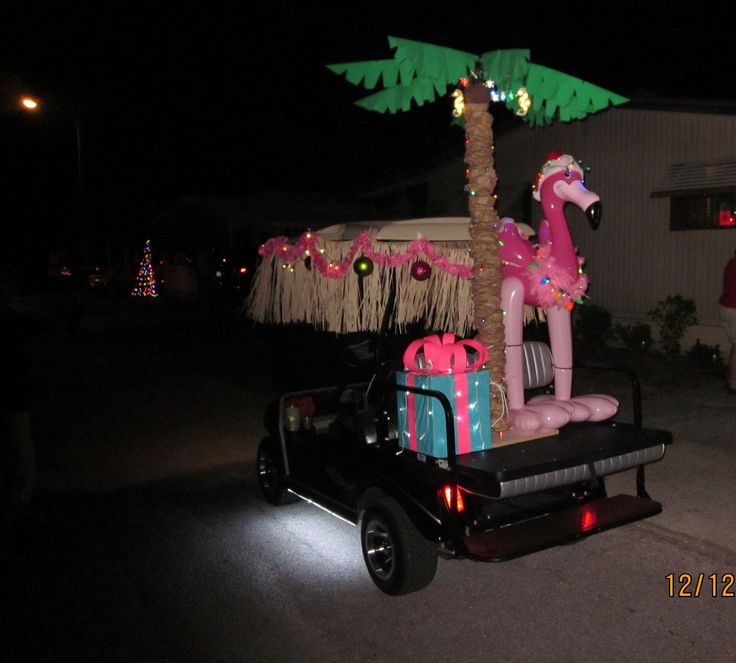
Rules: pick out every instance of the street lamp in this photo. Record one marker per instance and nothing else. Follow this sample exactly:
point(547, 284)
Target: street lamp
point(31, 104)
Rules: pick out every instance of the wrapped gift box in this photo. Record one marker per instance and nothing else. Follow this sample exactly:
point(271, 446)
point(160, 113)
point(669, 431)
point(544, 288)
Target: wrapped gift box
point(421, 418)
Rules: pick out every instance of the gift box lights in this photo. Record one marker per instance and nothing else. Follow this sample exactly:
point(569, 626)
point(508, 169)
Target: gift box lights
point(442, 364)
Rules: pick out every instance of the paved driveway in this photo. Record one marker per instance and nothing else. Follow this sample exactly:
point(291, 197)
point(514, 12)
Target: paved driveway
point(149, 542)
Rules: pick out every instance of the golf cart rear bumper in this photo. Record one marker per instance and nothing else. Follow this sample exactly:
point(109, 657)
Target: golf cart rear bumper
point(582, 472)
point(559, 527)
point(579, 453)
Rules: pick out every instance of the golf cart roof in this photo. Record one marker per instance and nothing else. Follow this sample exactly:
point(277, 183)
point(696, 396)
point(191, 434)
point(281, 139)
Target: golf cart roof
point(438, 229)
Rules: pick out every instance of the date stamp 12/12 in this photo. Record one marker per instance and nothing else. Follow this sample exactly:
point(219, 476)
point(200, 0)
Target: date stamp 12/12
point(694, 585)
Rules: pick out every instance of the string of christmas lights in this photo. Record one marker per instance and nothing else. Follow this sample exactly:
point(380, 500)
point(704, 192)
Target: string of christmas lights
point(306, 247)
point(521, 97)
point(146, 280)
point(552, 285)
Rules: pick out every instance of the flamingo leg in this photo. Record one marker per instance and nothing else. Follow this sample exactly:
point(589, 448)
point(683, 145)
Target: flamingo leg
point(512, 302)
point(594, 407)
point(524, 418)
point(560, 340)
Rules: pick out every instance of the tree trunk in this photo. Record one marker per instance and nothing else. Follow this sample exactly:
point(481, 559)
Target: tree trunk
point(484, 224)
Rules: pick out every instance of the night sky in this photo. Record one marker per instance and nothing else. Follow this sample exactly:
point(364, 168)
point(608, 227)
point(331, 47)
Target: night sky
point(212, 98)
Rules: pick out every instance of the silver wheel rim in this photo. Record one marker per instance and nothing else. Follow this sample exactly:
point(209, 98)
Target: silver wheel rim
point(379, 549)
point(266, 471)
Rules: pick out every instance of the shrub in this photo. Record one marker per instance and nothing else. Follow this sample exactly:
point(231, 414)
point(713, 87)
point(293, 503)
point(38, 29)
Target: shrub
point(705, 356)
point(673, 315)
point(592, 325)
point(636, 337)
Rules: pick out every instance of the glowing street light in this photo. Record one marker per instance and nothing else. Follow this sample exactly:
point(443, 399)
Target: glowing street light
point(29, 103)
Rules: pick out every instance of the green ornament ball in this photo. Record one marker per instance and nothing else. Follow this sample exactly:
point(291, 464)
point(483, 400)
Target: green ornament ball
point(363, 266)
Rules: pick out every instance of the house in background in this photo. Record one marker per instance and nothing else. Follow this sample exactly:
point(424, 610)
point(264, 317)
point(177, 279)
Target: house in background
point(666, 176)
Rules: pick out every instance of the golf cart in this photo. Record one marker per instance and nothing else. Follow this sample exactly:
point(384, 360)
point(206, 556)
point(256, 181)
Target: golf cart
point(344, 448)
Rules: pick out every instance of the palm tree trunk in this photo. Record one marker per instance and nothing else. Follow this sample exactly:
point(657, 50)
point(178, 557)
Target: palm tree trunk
point(484, 224)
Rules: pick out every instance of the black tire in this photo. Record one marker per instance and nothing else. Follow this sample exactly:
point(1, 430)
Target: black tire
point(270, 473)
point(398, 558)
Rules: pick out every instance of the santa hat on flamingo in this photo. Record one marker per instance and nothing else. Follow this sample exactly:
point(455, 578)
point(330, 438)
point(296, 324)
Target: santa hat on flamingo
point(554, 163)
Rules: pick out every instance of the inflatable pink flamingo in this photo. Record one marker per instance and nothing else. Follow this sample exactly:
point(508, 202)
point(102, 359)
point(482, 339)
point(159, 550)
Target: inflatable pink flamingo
point(549, 276)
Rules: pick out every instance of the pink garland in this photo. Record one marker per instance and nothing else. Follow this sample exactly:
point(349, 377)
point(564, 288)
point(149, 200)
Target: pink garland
point(553, 286)
point(277, 246)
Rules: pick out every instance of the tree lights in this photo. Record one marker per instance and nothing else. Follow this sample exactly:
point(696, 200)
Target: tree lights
point(146, 280)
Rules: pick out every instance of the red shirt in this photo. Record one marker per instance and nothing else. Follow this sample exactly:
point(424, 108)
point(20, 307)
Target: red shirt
point(728, 298)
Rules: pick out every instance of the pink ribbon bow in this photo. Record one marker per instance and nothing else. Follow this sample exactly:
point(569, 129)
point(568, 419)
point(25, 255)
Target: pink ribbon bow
point(444, 355)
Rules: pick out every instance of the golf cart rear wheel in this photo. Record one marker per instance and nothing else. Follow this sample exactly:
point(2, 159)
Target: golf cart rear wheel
point(270, 469)
point(398, 558)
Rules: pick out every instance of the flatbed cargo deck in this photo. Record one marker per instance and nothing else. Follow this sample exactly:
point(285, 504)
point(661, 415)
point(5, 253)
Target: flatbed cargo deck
point(532, 465)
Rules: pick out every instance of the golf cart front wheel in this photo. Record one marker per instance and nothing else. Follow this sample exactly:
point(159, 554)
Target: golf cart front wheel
point(398, 558)
point(270, 469)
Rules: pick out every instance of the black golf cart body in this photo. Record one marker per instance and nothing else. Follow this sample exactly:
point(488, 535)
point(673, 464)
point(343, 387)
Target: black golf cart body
point(509, 500)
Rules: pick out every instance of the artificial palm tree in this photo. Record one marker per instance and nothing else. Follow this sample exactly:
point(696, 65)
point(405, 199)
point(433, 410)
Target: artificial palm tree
point(421, 73)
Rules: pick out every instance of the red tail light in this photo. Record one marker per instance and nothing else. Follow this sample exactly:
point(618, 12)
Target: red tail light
point(588, 519)
point(447, 496)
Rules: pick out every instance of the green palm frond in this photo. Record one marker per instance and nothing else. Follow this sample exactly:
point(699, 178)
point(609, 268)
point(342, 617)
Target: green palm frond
point(399, 97)
point(507, 68)
point(418, 72)
point(555, 94)
point(421, 72)
point(369, 72)
point(434, 63)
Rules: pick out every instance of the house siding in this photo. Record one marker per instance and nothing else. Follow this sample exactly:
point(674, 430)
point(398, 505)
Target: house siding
point(633, 259)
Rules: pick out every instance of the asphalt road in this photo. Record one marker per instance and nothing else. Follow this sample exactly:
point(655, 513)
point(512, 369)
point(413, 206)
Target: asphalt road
point(148, 541)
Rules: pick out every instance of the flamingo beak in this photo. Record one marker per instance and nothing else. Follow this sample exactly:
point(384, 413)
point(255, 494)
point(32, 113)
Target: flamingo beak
point(594, 213)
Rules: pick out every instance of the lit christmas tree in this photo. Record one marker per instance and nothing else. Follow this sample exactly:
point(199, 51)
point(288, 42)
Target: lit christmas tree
point(146, 280)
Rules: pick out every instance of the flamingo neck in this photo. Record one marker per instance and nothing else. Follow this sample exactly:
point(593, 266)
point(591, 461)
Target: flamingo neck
point(561, 248)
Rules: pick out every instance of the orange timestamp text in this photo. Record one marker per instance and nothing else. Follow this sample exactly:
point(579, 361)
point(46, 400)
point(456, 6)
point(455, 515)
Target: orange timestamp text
point(694, 585)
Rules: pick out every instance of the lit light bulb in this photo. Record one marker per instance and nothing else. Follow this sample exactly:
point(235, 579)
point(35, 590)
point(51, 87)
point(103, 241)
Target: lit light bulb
point(458, 103)
point(524, 101)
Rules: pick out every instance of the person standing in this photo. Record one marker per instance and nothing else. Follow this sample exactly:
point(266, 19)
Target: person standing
point(727, 314)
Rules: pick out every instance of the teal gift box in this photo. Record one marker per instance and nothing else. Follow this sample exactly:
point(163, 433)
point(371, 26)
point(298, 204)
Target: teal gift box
point(421, 419)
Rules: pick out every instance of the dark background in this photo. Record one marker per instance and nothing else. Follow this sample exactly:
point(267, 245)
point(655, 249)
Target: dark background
point(216, 99)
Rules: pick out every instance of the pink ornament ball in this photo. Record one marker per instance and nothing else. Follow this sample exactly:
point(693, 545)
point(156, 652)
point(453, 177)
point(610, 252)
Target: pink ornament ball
point(421, 270)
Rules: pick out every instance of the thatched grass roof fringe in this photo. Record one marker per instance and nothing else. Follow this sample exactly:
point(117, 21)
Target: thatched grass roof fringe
point(291, 292)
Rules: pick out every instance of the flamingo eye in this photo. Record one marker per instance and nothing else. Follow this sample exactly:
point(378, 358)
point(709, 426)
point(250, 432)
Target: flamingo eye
point(568, 172)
